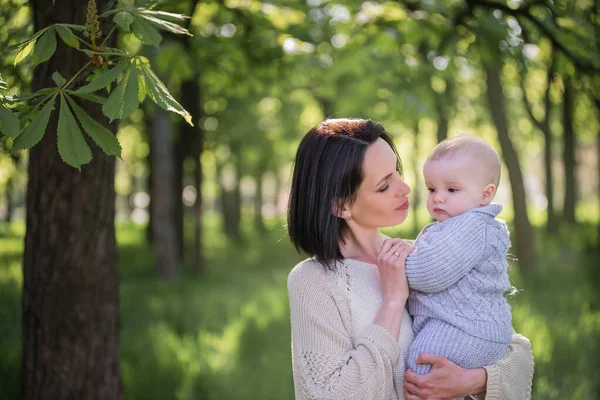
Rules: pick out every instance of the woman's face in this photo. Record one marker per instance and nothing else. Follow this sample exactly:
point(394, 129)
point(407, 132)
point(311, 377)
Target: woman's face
point(382, 198)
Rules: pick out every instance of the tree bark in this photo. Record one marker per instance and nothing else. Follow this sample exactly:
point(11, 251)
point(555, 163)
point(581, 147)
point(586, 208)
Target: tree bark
point(198, 267)
point(70, 322)
point(443, 102)
point(569, 160)
point(551, 219)
point(192, 137)
point(417, 173)
point(231, 198)
point(181, 151)
point(148, 162)
point(497, 104)
point(259, 223)
point(163, 226)
point(9, 200)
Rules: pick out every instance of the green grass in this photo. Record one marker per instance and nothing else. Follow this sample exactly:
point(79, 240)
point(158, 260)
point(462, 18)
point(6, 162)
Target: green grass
point(226, 335)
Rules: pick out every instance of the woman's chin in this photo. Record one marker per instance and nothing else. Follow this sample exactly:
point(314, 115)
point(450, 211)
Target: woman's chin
point(396, 219)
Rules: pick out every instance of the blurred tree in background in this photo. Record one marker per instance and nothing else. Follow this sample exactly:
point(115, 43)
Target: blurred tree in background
point(255, 76)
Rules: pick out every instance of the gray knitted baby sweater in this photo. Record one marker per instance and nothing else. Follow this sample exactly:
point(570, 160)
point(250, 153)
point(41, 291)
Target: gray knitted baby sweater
point(458, 274)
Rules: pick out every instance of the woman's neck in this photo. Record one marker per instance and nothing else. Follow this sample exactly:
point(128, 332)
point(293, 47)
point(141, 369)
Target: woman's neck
point(362, 245)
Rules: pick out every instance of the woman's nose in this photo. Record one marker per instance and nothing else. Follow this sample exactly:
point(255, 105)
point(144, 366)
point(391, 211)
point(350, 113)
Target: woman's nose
point(403, 189)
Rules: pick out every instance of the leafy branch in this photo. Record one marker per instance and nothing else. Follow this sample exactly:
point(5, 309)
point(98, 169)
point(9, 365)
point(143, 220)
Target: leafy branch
point(124, 77)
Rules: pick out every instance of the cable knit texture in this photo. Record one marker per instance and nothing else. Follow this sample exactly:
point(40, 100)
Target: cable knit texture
point(458, 273)
point(339, 353)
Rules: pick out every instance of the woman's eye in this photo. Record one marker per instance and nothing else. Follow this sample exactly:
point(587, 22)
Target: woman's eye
point(383, 189)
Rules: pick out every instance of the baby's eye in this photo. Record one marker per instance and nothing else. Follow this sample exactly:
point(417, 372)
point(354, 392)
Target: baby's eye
point(430, 190)
point(453, 190)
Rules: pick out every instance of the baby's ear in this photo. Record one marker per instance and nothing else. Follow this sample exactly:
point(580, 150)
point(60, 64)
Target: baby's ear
point(489, 191)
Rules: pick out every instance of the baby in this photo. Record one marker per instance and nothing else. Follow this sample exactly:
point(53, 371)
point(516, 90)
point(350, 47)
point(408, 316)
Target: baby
point(458, 270)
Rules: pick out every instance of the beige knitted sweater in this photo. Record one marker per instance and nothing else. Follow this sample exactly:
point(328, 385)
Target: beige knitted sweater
point(339, 353)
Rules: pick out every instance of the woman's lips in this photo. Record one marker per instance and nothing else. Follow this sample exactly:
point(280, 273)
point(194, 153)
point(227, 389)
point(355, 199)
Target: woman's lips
point(403, 206)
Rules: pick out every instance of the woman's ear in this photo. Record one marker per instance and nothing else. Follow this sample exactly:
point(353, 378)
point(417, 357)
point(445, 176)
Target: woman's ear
point(489, 191)
point(339, 209)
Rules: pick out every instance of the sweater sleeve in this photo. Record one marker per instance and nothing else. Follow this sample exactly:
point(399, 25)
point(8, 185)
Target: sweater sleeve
point(511, 377)
point(327, 364)
point(443, 256)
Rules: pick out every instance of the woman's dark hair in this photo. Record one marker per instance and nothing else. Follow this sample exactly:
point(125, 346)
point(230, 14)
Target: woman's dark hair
point(328, 172)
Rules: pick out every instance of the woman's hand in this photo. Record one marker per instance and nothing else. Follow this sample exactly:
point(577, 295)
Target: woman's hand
point(446, 380)
point(392, 272)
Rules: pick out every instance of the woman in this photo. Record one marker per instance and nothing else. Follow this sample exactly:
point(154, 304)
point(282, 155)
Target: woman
point(350, 328)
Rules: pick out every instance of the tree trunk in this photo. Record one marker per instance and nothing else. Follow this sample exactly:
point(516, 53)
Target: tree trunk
point(193, 139)
point(597, 103)
point(9, 200)
point(417, 173)
point(181, 150)
point(551, 219)
point(443, 102)
point(230, 199)
point(198, 267)
point(130, 197)
point(497, 104)
point(150, 177)
point(259, 223)
point(70, 321)
point(569, 159)
point(236, 208)
point(163, 226)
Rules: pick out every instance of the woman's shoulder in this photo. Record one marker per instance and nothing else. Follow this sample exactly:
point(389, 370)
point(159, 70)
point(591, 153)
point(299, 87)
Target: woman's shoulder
point(310, 282)
point(306, 270)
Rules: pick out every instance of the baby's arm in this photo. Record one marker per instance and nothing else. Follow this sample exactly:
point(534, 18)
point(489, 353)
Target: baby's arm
point(443, 257)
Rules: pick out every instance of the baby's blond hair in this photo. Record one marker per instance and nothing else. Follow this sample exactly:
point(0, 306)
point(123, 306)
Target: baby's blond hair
point(475, 149)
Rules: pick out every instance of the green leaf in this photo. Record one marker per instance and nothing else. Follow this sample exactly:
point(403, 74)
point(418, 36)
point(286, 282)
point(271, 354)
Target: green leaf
point(27, 97)
point(126, 3)
point(9, 123)
point(104, 138)
point(45, 47)
point(90, 97)
point(67, 36)
point(141, 88)
point(31, 39)
point(71, 144)
point(104, 52)
point(144, 31)
point(79, 28)
point(124, 20)
point(34, 132)
point(3, 85)
point(124, 99)
point(159, 93)
point(58, 79)
point(163, 14)
point(104, 79)
point(24, 52)
point(166, 25)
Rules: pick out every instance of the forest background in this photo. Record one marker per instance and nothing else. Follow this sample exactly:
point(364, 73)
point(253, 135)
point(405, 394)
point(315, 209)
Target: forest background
point(162, 274)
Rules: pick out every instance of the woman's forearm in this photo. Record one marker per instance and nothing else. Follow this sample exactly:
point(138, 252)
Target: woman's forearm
point(389, 315)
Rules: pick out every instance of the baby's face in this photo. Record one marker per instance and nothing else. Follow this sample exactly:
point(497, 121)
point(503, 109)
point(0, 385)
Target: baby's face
point(454, 185)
